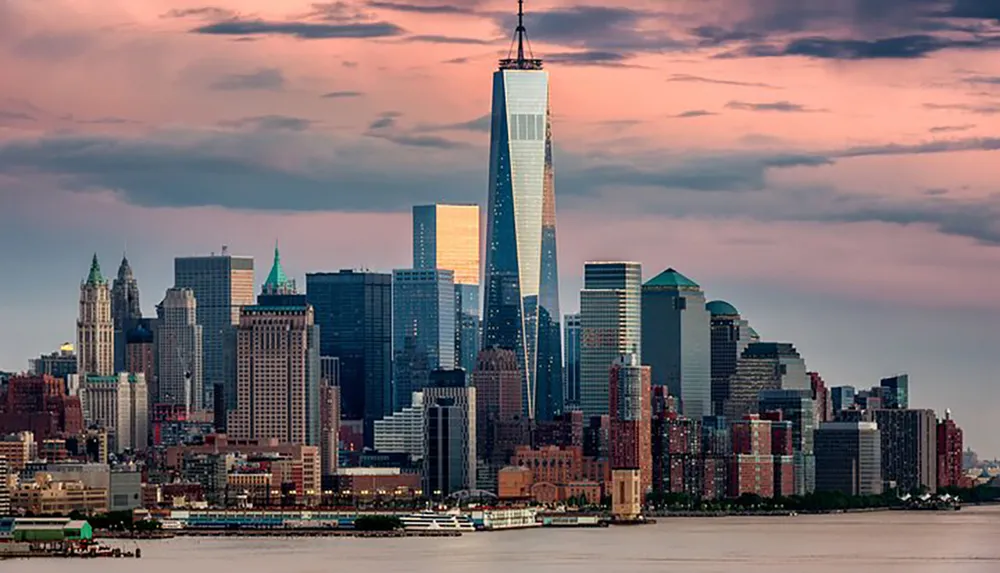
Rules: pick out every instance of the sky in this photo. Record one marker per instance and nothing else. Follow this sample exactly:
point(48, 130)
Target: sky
point(827, 166)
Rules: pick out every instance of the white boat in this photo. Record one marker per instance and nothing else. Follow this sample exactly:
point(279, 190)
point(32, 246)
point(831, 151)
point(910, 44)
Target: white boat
point(434, 521)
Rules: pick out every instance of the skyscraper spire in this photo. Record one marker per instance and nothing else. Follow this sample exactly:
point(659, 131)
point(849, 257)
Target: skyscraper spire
point(95, 277)
point(277, 281)
point(520, 61)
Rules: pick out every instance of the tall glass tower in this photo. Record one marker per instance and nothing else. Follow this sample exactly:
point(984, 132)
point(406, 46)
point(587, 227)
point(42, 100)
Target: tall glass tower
point(521, 295)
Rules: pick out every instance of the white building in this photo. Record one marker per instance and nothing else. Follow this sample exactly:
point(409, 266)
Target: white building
point(119, 404)
point(95, 331)
point(403, 432)
point(179, 350)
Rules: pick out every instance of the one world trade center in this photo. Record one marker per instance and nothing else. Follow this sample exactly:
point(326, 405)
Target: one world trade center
point(521, 284)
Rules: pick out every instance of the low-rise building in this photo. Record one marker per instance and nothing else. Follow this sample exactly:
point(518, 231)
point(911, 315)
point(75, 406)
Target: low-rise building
point(46, 497)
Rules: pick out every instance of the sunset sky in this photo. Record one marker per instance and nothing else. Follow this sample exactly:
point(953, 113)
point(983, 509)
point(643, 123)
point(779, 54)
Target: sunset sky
point(830, 167)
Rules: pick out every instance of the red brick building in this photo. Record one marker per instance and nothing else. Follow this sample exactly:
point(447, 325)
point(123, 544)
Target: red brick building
point(551, 474)
point(39, 404)
point(949, 453)
point(751, 468)
point(630, 398)
point(821, 398)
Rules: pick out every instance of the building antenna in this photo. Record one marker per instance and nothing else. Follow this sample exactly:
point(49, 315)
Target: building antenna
point(520, 31)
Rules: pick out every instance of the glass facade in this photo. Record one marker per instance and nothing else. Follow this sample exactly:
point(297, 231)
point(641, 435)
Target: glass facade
point(447, 237)
point(610, 323)
point(764, 366)
point(423, 328)
point(221, 284)
point(521, 279)
point(676, 338)
point(571, 370)
point(353, 310)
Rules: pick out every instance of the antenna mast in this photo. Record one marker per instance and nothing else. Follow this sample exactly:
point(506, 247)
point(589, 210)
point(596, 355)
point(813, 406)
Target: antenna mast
point(520, 31)
point(520, 61)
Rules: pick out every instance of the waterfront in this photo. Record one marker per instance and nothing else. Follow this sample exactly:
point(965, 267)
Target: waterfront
point(887, 542)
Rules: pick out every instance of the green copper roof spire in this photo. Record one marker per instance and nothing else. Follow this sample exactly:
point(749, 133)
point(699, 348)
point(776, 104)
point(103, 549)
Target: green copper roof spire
point(277, 281)
point(95, 277)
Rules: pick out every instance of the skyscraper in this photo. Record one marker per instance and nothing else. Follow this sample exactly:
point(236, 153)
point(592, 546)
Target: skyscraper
point(896, 391)
point(571, 370)
point(277, 367)
point(731, 335)
point(764, 366)
point(354, 314)
point(221, 284)
point(610, 323)
point(909, 448)
point(631, 418)
point(500, 422)
point(797, 407)
point(449, 440)
point(841, 398)
point(676, 338)
point(447, 237)
point(423, 328)
point(120, 405)
point(95, 343)
point(849, 458)
point(521, 278)
point(179, 350)
point(949, 453)
point(125, 309)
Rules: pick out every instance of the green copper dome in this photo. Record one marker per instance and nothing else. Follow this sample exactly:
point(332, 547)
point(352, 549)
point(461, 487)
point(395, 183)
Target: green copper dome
point(95, 277)
point(721, 308)
point(671, 279)
point(277, 281)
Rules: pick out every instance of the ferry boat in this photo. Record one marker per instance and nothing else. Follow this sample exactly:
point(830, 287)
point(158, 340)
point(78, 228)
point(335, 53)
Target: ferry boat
point(434, 521)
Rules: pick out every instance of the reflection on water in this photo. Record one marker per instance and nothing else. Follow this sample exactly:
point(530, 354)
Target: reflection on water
point(886, 542)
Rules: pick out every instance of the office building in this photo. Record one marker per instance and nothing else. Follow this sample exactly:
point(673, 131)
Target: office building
point(449, 440)
point(610, 322)
point(447, 237)
point(798, 408)
point(896, 392)
point(571, 367)
point(140, 353)
point(125, 309)
point(501, 425)
point(4, 486)
point(849, 458)
point(95, 330)
point(329, 369)
point(841, 398)
point(521, 291)
point(277, 368)
point(329, 414)
point(630, 398)
point(423, 328)
point(909, 448)
point(730, 336)
point(180, 349)
point(354, 314)
point(676, 340)
point(403, 431)
point(821, 398)
point(59, 364)
point(764, 366)
point(221, 284)
point(119, 404)
point(949, 453)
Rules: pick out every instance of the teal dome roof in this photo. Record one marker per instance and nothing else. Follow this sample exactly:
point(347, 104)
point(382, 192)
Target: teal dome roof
point(671, 279)
point(721, 308)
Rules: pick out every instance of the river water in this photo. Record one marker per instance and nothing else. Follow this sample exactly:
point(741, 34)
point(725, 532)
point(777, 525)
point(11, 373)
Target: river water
point(886, 542)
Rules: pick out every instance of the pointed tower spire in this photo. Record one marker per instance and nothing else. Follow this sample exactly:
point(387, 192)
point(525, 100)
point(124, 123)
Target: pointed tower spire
point(277, 281)
point(520, 61)
point(95, 277)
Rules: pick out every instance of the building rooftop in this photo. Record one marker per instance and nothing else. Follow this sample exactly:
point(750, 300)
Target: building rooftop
point(670, 278)
point(95, 277)
point(721, 308)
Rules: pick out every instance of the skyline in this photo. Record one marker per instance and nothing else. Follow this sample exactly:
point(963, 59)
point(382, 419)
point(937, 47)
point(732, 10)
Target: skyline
point(838, 206)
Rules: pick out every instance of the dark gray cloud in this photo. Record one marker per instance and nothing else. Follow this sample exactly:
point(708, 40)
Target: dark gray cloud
point(976, 108)
point(270, 122)
point(205, 12)
point(945, 146)
point(600, 28)
point(480, 124)
point(901, 47)
point(978, 9)
point(271, 79)
point(20, 116)
point(342, 94)
point(303, 30)
point(590, 58)
point(384, 121)
point(779, 106)
point(433, 39)
point(688, 78)
point(51, 45)
point(466, 8)
point(107, 120)
point(693, 113)
point(987, 80)
point(952, 128)
point(416, 140)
